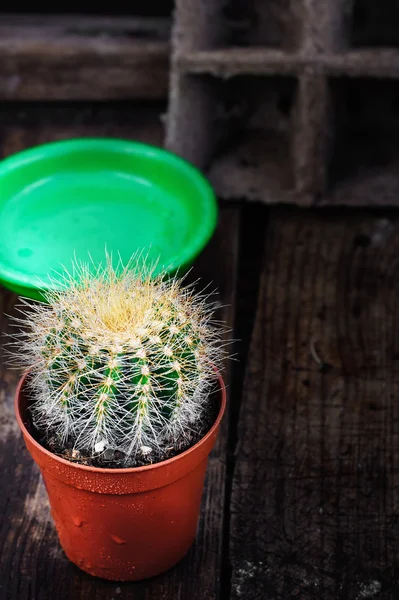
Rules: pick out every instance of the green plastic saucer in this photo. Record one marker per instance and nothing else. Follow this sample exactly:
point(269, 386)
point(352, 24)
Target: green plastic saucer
point(80, 197)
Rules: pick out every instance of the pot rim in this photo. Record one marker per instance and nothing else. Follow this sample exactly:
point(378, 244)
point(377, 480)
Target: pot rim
point(124, 470)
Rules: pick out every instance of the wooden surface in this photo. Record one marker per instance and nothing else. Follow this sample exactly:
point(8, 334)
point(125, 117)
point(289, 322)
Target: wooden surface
point(81, 57)
point(315, 500)
point(24, 124)
point(302, 493)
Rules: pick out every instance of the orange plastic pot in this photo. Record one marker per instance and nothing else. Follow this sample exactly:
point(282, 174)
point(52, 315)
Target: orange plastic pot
point(124, 524)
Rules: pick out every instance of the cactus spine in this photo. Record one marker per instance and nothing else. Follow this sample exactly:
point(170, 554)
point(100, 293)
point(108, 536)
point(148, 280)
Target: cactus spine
point(120, 358)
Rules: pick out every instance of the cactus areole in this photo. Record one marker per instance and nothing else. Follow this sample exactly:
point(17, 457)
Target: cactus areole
point(126, 362)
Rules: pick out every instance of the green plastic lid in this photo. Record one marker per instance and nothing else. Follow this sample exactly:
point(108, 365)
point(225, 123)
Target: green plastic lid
point(78, 198)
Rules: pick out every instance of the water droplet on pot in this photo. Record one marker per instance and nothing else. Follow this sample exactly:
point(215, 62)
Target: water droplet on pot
point(117, 539)
point(77, 521)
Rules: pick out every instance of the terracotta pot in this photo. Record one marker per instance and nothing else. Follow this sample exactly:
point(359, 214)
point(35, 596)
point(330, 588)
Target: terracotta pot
point(124, 524)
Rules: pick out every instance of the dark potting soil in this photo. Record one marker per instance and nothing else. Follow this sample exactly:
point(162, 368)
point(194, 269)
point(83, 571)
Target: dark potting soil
point(114, 459)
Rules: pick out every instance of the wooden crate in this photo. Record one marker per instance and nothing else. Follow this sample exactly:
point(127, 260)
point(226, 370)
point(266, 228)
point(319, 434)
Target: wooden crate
point(293, 101)
point(76, 57)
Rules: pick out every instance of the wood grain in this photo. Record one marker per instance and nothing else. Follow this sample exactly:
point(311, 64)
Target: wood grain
point(83, 58)
point(315, 498)
point(32, 564)
point(24, 124)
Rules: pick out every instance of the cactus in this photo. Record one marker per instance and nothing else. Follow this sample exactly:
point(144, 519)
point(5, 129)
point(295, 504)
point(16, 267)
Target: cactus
point(120, 358)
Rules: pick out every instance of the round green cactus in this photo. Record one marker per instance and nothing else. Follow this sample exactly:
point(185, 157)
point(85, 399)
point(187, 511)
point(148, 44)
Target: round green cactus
point(121, 360)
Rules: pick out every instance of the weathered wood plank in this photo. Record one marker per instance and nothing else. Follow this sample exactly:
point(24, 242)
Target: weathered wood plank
point(314, 510)
point(32, 564)
point(23, 125)
point(83, 58)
